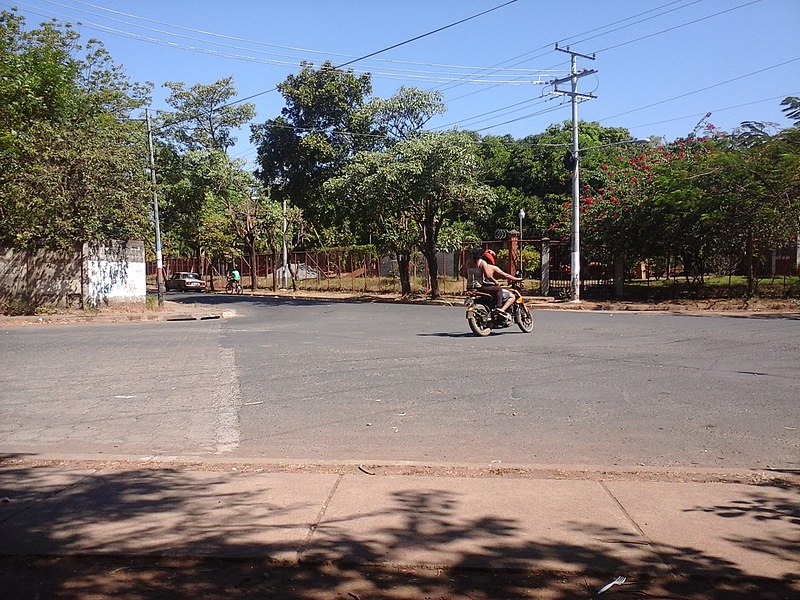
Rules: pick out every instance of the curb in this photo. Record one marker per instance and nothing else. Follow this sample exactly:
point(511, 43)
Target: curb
point(115, 318)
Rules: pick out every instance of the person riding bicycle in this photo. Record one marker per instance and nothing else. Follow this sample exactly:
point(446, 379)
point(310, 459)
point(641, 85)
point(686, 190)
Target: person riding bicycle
point(481, 271)
point(234, 278)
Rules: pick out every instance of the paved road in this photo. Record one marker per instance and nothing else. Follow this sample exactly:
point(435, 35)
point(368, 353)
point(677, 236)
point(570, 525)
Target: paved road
point(318, 380)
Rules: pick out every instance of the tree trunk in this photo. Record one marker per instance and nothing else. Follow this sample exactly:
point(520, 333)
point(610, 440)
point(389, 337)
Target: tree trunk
point(433, 272)
point(748, 262)
point(404, 272)
point(253, 268)
point(619, 276)
point(274, 270)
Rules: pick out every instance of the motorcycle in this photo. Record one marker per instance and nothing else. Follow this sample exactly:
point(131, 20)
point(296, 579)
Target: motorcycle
point(483, 316)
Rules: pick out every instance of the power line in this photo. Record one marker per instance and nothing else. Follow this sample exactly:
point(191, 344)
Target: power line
point(403, 43)
point(703, 89)
point(528, 116)
point(714, 111)
point(549, 47)
point(644, 37)
point(295, 61)
point(247, 40)
point(640, 21)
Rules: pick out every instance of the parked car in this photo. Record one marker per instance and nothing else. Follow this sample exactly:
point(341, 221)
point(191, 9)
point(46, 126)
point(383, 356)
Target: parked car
point(185, 282)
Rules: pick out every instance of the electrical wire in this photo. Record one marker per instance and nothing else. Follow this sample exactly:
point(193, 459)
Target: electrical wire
point(550, 47)
point(694, 22)
point(713, 111)
point(703, 89)
point(403, 43)
point(478, 76)
point(294, 61)
point(251, 41)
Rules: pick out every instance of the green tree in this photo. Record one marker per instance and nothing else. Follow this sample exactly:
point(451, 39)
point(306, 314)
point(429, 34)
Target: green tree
point(375, 184)
point(194, 139)
point(72, 163)
point(326, 120)
point(252, 217)
point(406, 113)
point(205, 116)
point(417, 188)
point(754, 182)
point(446, 184)
point(530, 173)
point(792, 110)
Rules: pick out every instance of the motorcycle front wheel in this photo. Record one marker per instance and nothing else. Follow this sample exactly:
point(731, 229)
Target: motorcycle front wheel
point(524, 318)
point(480, 321)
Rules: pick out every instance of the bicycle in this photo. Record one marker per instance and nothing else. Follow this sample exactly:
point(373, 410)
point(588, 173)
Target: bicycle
point(234, 287)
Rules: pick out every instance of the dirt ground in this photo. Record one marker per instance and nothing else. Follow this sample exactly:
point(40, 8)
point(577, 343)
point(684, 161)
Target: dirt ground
point(153, 577)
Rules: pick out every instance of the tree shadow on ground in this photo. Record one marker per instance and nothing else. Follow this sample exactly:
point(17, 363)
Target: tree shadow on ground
point(166, 533)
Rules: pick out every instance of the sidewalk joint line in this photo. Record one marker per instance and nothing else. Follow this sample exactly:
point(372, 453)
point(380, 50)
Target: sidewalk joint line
point(653, 545)
point(318, 519)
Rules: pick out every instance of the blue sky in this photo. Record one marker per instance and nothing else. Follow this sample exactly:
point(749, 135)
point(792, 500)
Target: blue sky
point(661, 64)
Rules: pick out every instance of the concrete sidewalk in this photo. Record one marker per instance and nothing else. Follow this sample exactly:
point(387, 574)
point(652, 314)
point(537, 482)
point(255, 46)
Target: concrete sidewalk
point(599, 525)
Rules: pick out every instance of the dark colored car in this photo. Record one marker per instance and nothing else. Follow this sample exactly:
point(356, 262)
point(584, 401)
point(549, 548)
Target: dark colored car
point(185, 282)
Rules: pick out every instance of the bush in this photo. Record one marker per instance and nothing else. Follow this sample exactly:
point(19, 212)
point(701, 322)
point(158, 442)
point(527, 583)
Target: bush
point(531, 260)
point(18, 308)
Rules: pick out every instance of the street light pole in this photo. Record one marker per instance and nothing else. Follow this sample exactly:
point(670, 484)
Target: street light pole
point(159, 258)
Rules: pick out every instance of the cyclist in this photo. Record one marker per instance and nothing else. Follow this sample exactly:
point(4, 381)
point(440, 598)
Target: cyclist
point(234, 277)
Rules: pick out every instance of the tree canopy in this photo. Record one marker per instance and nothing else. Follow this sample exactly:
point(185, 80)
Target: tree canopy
point(326, 120)
point(70, 156)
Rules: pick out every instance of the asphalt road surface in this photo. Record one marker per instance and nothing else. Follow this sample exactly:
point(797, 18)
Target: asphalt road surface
point(318, 380)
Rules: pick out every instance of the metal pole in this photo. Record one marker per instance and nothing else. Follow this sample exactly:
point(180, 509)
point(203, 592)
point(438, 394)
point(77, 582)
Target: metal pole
point(284, 272)
point(159, 259)
point(575, 264)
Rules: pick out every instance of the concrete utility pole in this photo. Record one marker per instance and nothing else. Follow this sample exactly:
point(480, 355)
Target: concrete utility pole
point(575, 264)
point(159, 259)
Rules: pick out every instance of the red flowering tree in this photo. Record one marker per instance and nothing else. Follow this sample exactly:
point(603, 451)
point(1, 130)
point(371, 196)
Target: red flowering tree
point(642, 205)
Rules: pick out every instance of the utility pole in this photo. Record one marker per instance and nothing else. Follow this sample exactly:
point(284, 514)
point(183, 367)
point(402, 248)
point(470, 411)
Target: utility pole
point(575, 263)
point(159, 259)
point(285, 270)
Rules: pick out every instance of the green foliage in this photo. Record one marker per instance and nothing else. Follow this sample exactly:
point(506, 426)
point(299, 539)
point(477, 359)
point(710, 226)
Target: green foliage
point(71, 165)
point(792, 110)
point(530, 174)
point(412, 193)
point(531, 260)
point(204, 116)
point(406, 113)
point(326, 120)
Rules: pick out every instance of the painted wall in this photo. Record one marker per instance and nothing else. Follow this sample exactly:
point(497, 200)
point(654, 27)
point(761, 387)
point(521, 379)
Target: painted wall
point(92, 275)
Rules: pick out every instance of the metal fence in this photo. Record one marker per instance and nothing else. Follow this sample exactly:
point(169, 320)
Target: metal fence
point(359, 270)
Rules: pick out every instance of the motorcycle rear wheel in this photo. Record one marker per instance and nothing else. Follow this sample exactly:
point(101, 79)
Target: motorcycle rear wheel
point(524, 318)
point(481, 321)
